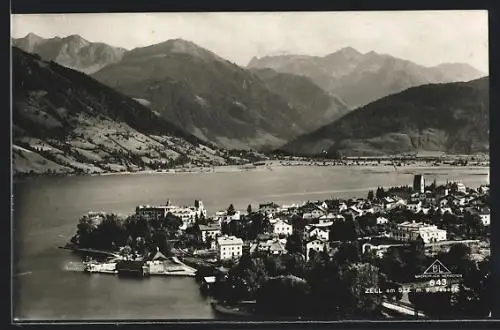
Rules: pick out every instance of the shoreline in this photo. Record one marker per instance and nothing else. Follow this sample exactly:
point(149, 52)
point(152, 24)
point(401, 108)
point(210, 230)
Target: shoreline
point(275, 165)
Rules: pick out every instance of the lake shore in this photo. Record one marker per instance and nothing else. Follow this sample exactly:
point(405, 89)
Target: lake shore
point(276, 165)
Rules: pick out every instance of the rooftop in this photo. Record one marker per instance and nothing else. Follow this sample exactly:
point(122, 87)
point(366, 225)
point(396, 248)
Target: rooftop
point(229, 240)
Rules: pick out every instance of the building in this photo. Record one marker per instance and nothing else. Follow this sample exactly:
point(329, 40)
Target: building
point(461, 187)
point(484, 214)
point(223, 217)
point(441, 192)
point(414, 206)
point(316, 245)
point(382, 220)
point(186, 214)
point(132, 268)
point(379, 249)
point(151, 212)
point(410, 231)
point(419, 183)
point(322, 233)
point(212, 231)
point(272, 246)
point(281, 227)
point(229, 247)
point(269, 208)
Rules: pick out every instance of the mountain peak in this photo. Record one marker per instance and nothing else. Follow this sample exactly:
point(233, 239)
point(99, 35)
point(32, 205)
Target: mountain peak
point(171, 46)
point(348, 50)
point(31, 35)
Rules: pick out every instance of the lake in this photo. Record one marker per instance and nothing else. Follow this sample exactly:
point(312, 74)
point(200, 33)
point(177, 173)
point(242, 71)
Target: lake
point(49, 286)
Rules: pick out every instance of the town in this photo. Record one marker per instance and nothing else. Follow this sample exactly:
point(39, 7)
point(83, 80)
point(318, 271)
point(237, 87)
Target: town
point(284, 260)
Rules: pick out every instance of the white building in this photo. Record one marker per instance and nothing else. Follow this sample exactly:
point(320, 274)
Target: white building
point(485, 216)
point(414, 206)
point(461, 187)
point(209, 231)
point(229, 247)
point(409, 231)
point(314, 214)
point(316, 245)
point(317, 232)
point(269, 208)
point(151, 212)
point(222, 216)
point(186, 214)
point(382, 220)
point(281, 227)
point(379, 249)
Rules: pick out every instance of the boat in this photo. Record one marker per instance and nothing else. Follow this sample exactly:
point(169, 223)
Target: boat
point(94, 267)
point(230, 311)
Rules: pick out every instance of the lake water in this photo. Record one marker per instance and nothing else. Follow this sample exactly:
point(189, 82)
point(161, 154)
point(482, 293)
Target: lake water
point(48, 285)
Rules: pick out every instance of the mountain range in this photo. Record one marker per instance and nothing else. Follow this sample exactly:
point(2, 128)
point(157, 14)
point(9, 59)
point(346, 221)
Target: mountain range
point(72, 51)
point(451, 118)
point(215, 99)
point(66, 122)
point(293, 102)
point(359, 79)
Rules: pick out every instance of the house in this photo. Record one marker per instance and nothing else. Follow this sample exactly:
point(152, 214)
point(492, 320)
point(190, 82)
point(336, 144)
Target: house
point(460, 187)
point(316, 245)
point(226, 218)
point(382, 220)
point(323, 233)
point(414, 206)
point(186, 214)
point(448, 200)
point(379, 249)
point(315, 213)
point(96, 218)
point(132, 268)
point(440, 192)
point(229, 247)
point(269, 208)
point(273, 246)
point(483, 189)
point(281, 227)
point(410, 231)
point(156, 262)
point(212, 231)
point(151, 212)
point(484, 214)
point(388, 202)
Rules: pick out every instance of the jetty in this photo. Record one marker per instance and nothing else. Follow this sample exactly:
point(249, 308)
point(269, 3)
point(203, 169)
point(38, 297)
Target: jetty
point(159, 265)
point(93, 251)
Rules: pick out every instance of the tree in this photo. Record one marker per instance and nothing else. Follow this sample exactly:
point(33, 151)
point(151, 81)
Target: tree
point(348, 253)
point(370, 195)
point(380, 193)
point(355, 278)
point(294, 243)
point(284, 296)
point(392, 265)
point(172, 222)
point(249, 209)
point(231, 210)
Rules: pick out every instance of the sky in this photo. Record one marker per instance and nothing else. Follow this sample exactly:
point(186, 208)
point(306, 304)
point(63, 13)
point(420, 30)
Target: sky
point(425, 37)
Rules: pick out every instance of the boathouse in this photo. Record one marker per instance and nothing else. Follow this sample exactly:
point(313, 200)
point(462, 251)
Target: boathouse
point(132, 268)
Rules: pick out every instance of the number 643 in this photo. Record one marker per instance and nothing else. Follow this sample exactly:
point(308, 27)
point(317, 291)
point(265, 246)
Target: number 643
point(437, 282)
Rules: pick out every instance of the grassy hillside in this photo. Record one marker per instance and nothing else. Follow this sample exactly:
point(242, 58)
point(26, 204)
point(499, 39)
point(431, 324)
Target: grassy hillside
point(314, 104)
point(207, 96)
point(452, 118)
point(67, 122)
